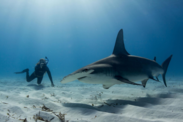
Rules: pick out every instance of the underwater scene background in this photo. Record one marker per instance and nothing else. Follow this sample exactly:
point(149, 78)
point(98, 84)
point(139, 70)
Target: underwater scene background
point(75, 33)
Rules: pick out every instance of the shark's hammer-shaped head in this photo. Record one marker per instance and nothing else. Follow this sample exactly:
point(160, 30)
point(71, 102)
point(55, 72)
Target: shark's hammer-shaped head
point(86, 72)
point(79, 74)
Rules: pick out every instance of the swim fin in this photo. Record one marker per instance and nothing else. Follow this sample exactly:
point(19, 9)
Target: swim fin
point(25, 70)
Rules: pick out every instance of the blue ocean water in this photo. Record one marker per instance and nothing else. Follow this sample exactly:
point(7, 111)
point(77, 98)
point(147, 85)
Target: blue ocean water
point(75, 33)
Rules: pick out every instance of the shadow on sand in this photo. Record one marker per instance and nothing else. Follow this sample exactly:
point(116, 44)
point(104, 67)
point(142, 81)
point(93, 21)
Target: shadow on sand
point(36, 87)
point(178, 90)
point(114, 106)
point(79, 106)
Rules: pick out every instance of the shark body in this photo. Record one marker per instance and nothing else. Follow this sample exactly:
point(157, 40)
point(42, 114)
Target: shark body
point(119, 68)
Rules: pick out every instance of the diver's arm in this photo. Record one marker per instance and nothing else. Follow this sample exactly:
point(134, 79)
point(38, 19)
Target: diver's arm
point(49, 74)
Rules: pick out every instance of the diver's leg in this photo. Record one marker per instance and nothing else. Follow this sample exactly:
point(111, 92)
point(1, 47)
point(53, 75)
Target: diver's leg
point(30, 78)
point(25, 70)
point(39, 79)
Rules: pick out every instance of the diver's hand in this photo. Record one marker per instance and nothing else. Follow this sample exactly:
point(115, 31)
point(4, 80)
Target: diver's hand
point(52, 85)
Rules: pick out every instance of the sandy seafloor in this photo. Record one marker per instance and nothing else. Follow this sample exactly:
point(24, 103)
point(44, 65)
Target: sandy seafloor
point(120, 103)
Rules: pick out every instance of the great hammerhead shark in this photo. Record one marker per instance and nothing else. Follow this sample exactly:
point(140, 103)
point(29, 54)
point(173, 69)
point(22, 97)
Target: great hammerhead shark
point(119, 68)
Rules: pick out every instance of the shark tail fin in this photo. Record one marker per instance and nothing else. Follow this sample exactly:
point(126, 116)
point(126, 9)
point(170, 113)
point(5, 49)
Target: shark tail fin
point(165, 67)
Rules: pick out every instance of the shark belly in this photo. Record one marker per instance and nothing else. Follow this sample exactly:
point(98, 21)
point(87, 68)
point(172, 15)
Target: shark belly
point(138, 69)
point(136, 77)
point(100, 79)
point(133, 73)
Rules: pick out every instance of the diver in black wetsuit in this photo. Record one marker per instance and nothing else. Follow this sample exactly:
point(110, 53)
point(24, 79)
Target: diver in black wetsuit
point(40, 69)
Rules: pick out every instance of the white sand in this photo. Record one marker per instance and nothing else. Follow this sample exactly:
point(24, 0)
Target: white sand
point(120, 103)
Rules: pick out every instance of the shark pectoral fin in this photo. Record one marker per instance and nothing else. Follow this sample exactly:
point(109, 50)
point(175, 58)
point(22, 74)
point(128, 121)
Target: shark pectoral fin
point(125, 80)
point(107, 86)
point(144, 82)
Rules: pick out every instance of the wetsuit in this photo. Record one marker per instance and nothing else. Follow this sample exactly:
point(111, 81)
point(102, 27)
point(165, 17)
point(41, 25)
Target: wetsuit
point(39, 73)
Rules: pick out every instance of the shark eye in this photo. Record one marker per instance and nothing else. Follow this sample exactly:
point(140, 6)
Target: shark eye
point(85, 70)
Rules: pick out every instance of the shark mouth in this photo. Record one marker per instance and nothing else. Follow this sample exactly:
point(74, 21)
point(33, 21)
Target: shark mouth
point(76, 76)
point(81, 78)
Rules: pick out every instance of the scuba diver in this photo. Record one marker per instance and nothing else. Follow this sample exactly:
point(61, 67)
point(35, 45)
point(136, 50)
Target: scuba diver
point(40, 69)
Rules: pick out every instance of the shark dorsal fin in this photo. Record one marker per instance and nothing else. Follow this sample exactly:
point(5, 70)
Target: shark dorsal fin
point(119, 48)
